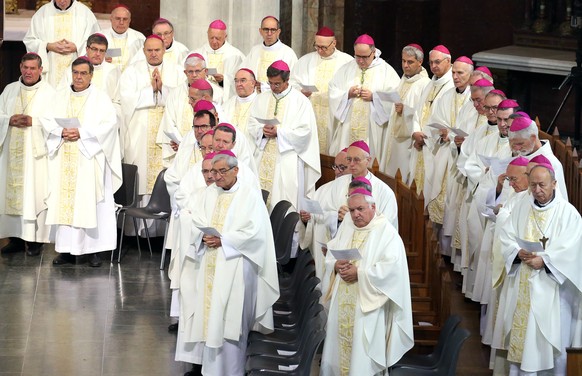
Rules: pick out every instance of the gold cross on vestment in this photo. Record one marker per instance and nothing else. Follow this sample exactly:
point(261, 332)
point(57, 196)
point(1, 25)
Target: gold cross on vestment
point(544, 240)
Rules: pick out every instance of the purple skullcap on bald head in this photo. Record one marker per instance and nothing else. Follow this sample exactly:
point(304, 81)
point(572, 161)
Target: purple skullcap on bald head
point(227, 125)
point(154, 36)
point(209, 155)
point(280, 65)
point(361, 191)
point(482, 83)
point(464, 59)
point(485, 70)
point(520, 123)
point(200, 84)
point(547, 165)
point(361, 145)
point(325, 32)
point(344, 150)
point(362, 179)
point(218, 25)
point(498, 92)
point(507, 103)
point(203, 104)
point(539, 159)
point(522, 114)
point(417, 46)
point(364, 39)
point(520, 161)
point(267, 17)
point(208, 133)
point(120, 6)
point(442, 49)
point(196, 54)
point(226, 152)
point(248, 70)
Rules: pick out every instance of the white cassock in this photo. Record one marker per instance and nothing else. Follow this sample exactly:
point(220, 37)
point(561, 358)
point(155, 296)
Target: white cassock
point(327, 224)
point(142, 111)
point(176, 54)
point(226, 59)
point(228, 291)
point(288, 165)
point(479, 227)
point(49, 25)
point(397, 148)
point(83, 174)
point(369, 326)
point(538, 308)
point(261, 57)
point(123, 42)
point(237, 111)
point(354, 118)
point(435, 89)
point(23, 162)
point(312, 69)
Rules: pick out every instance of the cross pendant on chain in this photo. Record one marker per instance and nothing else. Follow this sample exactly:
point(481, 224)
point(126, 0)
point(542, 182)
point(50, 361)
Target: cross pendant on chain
point(544, 240)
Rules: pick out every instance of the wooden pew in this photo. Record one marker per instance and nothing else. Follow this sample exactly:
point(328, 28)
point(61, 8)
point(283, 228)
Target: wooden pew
point(574, 361)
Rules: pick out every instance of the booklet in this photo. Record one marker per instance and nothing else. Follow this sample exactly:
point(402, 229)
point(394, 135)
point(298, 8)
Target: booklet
point(391, 96)
point(273, 121)
point(114, 52)
point(312, 206)
point(311, 88)
point(68, 123)
point(211, 71)
point(210, 231)
point(533, 247)
point(346, 254)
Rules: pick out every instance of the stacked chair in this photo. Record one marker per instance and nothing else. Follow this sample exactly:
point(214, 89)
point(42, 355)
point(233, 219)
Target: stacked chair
point(299, 318)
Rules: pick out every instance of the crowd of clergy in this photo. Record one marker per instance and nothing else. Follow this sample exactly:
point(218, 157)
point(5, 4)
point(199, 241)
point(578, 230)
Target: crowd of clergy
point(228, 127)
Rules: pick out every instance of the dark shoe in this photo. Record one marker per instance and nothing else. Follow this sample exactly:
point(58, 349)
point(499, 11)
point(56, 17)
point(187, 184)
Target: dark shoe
point(173, 328)
point(94, 260)
point(15, 245)
point(196, 370)
point(64, 258)
point(33, 248)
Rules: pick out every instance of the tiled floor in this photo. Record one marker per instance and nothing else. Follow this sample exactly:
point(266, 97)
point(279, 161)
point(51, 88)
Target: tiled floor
point(112, 320)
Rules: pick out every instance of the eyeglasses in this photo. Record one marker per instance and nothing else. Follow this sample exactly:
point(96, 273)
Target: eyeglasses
point(355, 160)
point(323, 48)
point(201, 127)
point(364, 57)
point(220, 172)
point(95, 49)
point(79, 73)
point(194, 72)
point(165, 34)
point(436, 62)
point(489, 108)
point(266, 30)
point(341, 167)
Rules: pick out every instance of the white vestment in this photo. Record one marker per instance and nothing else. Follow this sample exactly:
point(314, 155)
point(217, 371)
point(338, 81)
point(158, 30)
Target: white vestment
point(23, 162)
point(354, 118)
point(237, 111)
point(226, 59)
point(312, 69)
point(142, 111)
point(83, 174)
point(435, 89)
point(538, 308)
point(261, 57)
point(226, 291)
point(124, 42)
point(369, 326)
point(398, 146)
point(288, 165)
point(49, 25)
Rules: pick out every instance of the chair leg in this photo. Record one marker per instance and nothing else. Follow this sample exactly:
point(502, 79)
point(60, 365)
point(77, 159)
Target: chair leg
point(163, 261)
point(145, 225)
point(136, 234)
point(116, 222)
point(121, 238)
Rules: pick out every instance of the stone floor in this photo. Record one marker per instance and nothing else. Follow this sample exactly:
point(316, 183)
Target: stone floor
point(112, 320)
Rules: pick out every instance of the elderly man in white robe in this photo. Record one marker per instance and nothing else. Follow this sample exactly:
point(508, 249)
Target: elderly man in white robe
point(396, 150)
point(178, 114)
point(84, 170)
point(174, 51)
point(228, 282)
point(316, 69)
point(283, 128)
point(23, 159)
point(369, 326)
point(358, 111)
point(58, 31)
point(237, 108)
point(543, 287)
point(270, 50)
point(121, 37)
point(439, 59)
point(222, 56)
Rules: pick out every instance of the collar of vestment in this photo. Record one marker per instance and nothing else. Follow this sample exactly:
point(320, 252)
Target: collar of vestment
point(377, 60)
point(378, 220)
point(275, 46)
point(218, 50)
point(442, 79)
point(31, 87)
point(330, 57)
point(555, 200)
point(81, 93)
point(368, 176)
point(250, 98)
point(417, 76)
point(232, 189)
point(120, 36)
point(283, 94)
point(63, 10)
point(155, 66)
point(460, 92)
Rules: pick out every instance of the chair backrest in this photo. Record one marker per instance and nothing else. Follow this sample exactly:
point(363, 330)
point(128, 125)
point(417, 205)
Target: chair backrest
point(278, 214)
point(448, 366)
point(126, 195)
point(284, 238)
point(445, 335)
point(160, 199)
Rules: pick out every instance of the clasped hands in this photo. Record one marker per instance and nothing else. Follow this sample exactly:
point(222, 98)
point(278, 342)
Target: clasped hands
point(359, 92)
point(71, 134)
point(156, 80)
point(20, 121)
point(346, 270)
point(63, 47)
point(270, 131)
point(212, 241)
point(528, 258)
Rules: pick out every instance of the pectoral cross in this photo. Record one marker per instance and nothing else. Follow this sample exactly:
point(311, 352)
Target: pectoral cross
point(543, 239)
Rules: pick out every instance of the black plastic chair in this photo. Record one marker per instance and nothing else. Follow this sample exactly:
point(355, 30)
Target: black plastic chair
point(432, 360)
point(284, 238)
point(278, 215)
point(448, 364)
point(158, 207)
point(125, 197)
